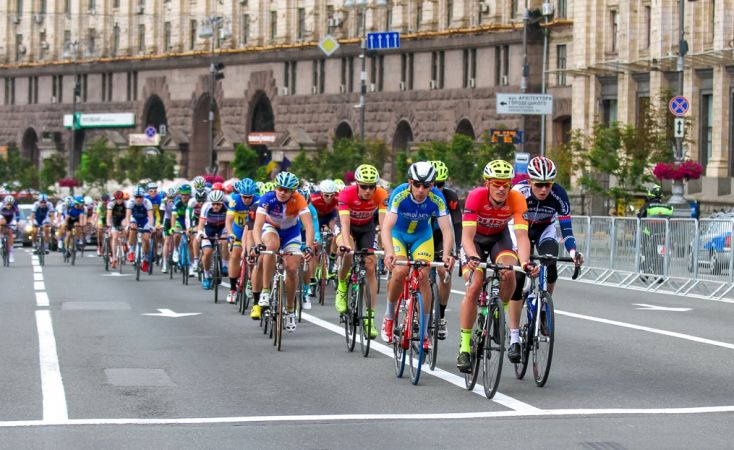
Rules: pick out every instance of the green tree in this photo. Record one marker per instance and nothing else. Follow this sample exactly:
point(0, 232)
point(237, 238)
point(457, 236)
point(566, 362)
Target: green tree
point(97, 165)
point(245, 163)
point(345, 155)
point(17, 170)
point(563, 157)
point(53, 169)
point(134, 165)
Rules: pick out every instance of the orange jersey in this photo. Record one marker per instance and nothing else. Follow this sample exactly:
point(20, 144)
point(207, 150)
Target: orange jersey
point(489, 220)
point(361, 212)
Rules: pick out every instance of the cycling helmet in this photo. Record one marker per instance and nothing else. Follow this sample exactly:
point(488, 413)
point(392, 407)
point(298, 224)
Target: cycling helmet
point(442, 172)
point(654, 192)
point(216, 196)
point(269, 186)
point(259, 185)
point(328, 187)
point(78, 200)
point(198, 183)
point(305, 192)
point(286, 180)
point(152, 185)
point(105, 197)
point(184, 189)
point(422, 171)
point(217, 186)
point(499, 169)
point(43, 198)
point(541, 168)
point(118, 195)
point(247, 187)
point(8, 200)
point(139, 192)
point(200, 196)
point(367, 174)
point(88, 201)
point(68, 199)
point(126, 195)
point(171, 193)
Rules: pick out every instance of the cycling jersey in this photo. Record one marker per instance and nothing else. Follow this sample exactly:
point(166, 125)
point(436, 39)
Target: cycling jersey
point(213, 220)
point(414, 217)
point(168, 209)
point(314, 223)
point(542, 214)
point(282, 216)
point(155, 202)
point(452, 202)
point(90, 211)
point(139, 212)
point(243, 214)
point(119, 210)
point(41, 213)
point(322, 207)
point(74, 213)
point(489, 220)
point(360, 211)
point(193, 211)
point(8, 214)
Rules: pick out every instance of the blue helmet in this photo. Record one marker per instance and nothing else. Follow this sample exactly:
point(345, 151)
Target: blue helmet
point(246, 187)
point(286, 180)
point(305, 193)
point(78, 200)
point(139, 192)
point(43, 197)
point(184, 189)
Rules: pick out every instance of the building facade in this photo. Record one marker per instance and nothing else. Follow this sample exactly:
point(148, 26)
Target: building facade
point(153, 58)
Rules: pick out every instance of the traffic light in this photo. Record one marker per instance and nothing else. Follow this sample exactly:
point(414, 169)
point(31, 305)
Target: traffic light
point(218, 71)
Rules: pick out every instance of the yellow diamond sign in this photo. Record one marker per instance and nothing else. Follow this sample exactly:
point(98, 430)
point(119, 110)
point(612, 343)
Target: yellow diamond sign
point(329, 45)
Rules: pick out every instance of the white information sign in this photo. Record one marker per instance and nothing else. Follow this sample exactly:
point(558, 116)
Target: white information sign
point(531, 104)
point(104, 120)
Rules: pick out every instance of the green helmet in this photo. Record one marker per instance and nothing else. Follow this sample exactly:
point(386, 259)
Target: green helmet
point(655, 191)
point(184, 189)
point(442, 172)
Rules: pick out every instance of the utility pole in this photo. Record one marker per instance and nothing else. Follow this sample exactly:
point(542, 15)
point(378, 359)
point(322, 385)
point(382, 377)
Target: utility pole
point(215, 74)
point(677, 200)
point(525, 66)
point(70, 52)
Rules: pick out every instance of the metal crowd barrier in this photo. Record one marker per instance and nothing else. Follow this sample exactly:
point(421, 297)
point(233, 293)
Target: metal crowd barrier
point(679, 256)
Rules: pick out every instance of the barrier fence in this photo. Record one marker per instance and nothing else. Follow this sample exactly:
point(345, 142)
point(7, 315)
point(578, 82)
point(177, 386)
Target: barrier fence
point(683, 256)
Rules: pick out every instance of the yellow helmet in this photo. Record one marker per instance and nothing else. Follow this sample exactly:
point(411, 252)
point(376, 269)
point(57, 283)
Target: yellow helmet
point(339, 184)
point(499, 170)
point(367, 174)
point(442, 172)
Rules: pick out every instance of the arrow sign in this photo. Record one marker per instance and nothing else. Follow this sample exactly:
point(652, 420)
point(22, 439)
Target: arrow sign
point(169, 313)
point(679, 128)
point(646, 307)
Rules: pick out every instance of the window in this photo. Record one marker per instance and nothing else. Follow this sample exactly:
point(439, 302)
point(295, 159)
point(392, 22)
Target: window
point(561, 64)
point(192, 35)
point(67, 7)
point(115, 3)
point(406, 70)
point(647, 22)
point(167, 36)
point(109, 86)
point(705, 149)
point(92, 4)
point(115, 39)
point(437, 69)
point(497, 65)
point(360, 18)
point(609, 111)
point(711, 22)
point(289, 76)
point(60, 89)
point(245, 29)
point(377, 71)
point(67, 39)
point(449, 13)
point(418, 14)
point(10, 91)
point(350, 80)
point(643, 109)
point(84, 80)
point(18, 8)
point(301, 30)
point(316, 70)
point(20, 49)
point(41, 43)
point(514, 6)
point(43, 7)
point(141, 38)
point(347, 74)
point(613, 26)
point(32, 90)
point(273, 25)
point(562, 10)
point(91, 41)
point(388, 16)
point(132, 86)
point(469, 66)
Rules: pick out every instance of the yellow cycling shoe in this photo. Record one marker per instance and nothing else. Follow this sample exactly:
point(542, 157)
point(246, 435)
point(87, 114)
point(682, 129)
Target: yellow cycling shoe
point(255, 313)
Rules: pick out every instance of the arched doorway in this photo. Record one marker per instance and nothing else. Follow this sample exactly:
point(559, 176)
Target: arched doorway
point(155, 113)
point(403, 136)
point(466, 128)
point(343, 131)
point(29, 146)
point(262, 119)
point(199, 150)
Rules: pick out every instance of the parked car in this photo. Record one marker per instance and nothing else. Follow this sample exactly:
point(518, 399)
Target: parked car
point(23, 232)
point(714, 247)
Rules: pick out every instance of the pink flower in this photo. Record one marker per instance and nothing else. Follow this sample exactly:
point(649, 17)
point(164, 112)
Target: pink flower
point(68, 182)
point(687, 170)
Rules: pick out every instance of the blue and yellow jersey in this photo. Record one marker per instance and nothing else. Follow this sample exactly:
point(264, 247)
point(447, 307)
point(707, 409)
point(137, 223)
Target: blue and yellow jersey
point(242, 213)
point(415, 217)
point(156, 201)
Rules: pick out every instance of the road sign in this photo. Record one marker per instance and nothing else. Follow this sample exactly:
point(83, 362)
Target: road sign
point(329, 45)
point(506, 136)
point(143, 140)
point(679, 105)
point(150, 132)
point(383, 40)
point(521, 162)
point(530, 104)
point(679, 127)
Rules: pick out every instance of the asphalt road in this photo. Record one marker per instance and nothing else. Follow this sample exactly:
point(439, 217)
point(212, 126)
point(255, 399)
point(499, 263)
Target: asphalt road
point(87, 369)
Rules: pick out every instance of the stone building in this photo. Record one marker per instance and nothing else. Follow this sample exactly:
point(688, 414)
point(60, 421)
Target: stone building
point(153, 58)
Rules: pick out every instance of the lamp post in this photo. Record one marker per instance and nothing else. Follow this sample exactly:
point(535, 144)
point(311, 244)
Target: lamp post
point(70, 52)
point(547, 14)
point(212, 30)
point(680, 206)
point(361, 5)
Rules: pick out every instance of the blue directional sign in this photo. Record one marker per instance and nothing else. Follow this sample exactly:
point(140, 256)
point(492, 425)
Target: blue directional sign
point(383, 40)
point(679, 106)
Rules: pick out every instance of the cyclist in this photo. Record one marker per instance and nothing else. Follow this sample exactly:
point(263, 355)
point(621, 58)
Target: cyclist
point(452, 202)
point(193, 212)
point(277, 228)
point(308, 276)
point(42, 215)
point(325, 202)
point(239, 225)
point(486, 232)
point(357, 230)
point(140, 219)
point(212, 225)
point(654, 230)
point(8, 219)
point(91, 220)
point(547, 203)
point(100, 215)
point(116, 213)
point(407, 224)
point(76, 220)
point(168, 201)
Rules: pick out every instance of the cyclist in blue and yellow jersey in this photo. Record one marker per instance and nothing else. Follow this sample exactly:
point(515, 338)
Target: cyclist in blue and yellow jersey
point(156, 199)
point(42, 215)
point(407, 225)
point(140, 219)
point(212, 225)
point(277, 228)
point(240, 214)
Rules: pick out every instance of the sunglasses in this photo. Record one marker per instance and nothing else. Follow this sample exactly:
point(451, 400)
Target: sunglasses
point(542, 184)
point(426, 185)
point(500, 184)
point(282, 189)
point(218, 204)
point(439, 184)
point(368, 187)
point(138, 196)
point(327, 195)
point(246, 197)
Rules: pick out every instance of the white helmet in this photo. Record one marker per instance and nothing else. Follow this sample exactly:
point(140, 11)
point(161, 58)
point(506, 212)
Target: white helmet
point(328, 187)
point(88, 201)
point(541, 168)
point(422, 171)
point(216, 196)
point(9, 200)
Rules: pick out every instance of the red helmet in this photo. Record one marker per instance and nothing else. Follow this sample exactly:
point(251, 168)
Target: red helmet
point(217, 187)
point(118, 195)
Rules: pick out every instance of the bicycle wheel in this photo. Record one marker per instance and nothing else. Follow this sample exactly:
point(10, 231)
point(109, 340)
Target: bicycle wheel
point(322, 275)
point(280, 317)
point(543, 348)
point(379, 273)
point(151, 256)
point(42, 251)
point(418, 331)
point(73, 253)
point(477, 347)
point(105, 255)
point(216, 273)
point(120, 257)
point(434, 325)
point(494, 347)
point(364, 318)
point(242, 300)
point(350, 317)
point(138, 251)
point(525, 342)
point(398, 330)
point(300, 294)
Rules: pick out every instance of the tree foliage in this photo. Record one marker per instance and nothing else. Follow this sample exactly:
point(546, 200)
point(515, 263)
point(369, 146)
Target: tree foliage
point(345, 155)
point(18, 170)
point(245, 163)
point(135, 165)
point(52, 170)
point(97, 165)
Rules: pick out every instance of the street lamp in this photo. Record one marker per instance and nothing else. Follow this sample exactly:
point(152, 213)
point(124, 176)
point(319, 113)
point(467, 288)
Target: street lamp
point(361, 5)
point(213, 30)
point(547, 12)
point(71, 49)
point(680, 207)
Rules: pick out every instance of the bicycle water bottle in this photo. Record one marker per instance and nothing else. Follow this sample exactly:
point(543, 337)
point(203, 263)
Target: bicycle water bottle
point(530, 299)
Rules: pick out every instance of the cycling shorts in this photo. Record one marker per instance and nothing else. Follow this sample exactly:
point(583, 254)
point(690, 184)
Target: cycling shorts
point(239, 234)
point(211, 231)
point(326, 219)
point(167, 227)
point(418, 246)
point(547, 246)
point(493, 246)
point(364, 235)
point(45, 221)
point(290, 238)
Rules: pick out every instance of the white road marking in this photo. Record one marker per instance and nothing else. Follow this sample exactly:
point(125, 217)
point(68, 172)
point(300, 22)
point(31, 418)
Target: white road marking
point(38, 277)
point(456, 380)
point(52, 387)
point(34, 258)
point(42, 299)
point(169, 313)
point(646, 307)
point(39, 286)
point(370, 417)
point(37, 268)
point(648, 329)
